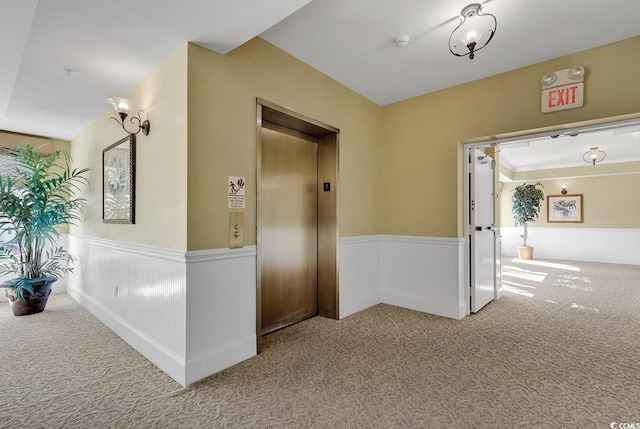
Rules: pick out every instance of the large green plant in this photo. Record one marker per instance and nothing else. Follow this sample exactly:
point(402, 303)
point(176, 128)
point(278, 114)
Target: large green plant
point(527, 199)
point(36, 197)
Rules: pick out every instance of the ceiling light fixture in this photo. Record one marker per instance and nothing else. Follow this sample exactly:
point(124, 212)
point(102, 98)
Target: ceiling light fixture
point(594, 155)
point(475, 31)
point(124, 109)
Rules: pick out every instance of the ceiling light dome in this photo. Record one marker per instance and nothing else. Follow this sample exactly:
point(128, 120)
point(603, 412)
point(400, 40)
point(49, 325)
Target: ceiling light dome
point(475, 31)
point(594, 155)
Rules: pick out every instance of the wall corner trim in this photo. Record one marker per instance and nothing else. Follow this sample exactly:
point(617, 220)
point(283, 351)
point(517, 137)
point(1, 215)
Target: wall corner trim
point(439, 241)
point(361, 239)
point(174, 255)
point(210, 255)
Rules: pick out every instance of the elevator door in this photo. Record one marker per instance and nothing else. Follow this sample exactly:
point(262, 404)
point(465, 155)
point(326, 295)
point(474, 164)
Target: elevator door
point(288, 226)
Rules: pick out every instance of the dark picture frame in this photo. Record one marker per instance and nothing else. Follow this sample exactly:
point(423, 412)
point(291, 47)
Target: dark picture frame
point(564, 208)
point(119, 181)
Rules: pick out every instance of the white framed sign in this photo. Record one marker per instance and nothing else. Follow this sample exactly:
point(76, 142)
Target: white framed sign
point(236, 194)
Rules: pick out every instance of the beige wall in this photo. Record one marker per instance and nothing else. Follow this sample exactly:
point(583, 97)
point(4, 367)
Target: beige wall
point(400, 165)
point(608, 201)
point(222, 136)
point(10, 140)
point(161, 162)
point(422, 167)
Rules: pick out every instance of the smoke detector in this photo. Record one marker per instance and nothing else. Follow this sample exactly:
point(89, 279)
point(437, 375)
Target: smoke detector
point(402, 40)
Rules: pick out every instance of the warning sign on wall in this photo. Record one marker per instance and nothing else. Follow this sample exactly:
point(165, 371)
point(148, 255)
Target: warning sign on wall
point(236, 192)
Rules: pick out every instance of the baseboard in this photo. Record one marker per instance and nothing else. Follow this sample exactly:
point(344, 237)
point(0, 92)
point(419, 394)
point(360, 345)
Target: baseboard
point(349, 308)
point(170, 364)
point(425, 305)
point(220, 359)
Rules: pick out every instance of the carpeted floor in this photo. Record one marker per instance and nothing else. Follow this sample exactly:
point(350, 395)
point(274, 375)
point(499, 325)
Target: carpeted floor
point(561, 349)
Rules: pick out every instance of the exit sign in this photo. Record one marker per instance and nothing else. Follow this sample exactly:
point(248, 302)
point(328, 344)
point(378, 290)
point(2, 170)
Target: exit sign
point(563, 89)
point(563, 97)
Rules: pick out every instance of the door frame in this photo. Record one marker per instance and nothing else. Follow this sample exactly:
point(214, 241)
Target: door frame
point(328, 162)
point(526, 135)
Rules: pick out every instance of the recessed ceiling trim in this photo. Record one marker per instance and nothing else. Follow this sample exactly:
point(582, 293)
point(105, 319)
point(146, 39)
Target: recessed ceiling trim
point(16, 18)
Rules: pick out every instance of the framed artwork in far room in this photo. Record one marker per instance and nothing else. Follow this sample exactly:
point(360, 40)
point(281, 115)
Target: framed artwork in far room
point(564, 208)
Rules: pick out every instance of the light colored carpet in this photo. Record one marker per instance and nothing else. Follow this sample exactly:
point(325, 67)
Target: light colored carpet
point(560, 349)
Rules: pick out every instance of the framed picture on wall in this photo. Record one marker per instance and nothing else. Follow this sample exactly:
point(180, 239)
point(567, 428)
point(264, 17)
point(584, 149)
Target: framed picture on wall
point(564, 208)
point(118, 181)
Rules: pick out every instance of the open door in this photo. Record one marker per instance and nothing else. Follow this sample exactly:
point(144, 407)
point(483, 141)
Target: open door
point(481, 229)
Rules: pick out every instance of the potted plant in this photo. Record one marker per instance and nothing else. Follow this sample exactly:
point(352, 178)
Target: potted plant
point(36, 197)
point(527, 199)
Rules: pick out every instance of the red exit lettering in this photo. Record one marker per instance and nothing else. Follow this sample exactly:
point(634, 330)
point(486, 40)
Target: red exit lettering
point(562, 96)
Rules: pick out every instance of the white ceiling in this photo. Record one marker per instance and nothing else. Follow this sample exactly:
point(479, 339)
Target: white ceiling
point(620, 145)
point(112, 45)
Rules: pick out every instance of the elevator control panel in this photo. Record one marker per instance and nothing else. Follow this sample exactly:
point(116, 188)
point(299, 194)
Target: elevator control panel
point(236, 230)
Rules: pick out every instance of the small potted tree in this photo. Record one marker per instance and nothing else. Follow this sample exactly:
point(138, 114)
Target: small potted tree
point(36, 197)
point(527, 199)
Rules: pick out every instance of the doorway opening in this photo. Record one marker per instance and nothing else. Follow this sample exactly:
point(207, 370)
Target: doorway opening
point(553, 143)
point(297, 228)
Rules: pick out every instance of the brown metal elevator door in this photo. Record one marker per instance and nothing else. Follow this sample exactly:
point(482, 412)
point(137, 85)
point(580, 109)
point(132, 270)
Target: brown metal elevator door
point(288, 226)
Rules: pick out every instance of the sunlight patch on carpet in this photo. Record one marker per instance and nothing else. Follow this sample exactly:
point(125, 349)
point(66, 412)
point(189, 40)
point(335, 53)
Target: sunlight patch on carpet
point(547, 264)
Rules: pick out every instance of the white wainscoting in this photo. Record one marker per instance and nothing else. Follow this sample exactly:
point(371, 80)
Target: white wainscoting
point(149, 309)
point(424, 274)
point(193, 313)
point(190, 313)
point(609, 245)
point(221, 309)
point(359, 265)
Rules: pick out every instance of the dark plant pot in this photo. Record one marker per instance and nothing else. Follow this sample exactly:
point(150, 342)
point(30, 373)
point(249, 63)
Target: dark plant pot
point(32, 303)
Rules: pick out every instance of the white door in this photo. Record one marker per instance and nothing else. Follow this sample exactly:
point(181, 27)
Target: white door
point(481, 235)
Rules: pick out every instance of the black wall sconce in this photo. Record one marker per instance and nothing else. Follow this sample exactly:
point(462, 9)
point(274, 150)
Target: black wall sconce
point(124, 109)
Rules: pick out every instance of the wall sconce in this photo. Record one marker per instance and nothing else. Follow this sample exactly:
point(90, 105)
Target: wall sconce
point(564, 190)
point(124, 109)
point(594, 155)
point(475, 31)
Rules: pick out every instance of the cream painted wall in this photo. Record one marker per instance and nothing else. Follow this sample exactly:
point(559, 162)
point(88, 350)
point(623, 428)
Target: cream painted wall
point(10, 140)
point(222, 136)
point(608, 201)
point(422, 171)
point(161, 161)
